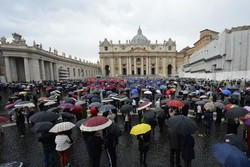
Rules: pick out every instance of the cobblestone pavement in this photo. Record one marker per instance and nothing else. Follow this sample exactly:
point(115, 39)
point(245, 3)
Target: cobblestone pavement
point(29, 150)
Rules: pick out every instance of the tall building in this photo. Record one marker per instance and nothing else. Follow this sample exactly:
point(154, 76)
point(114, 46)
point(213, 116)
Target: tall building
point(223, 56)
point(138, 57)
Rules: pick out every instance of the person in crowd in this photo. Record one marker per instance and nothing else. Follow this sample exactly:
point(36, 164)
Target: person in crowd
point(219, 115)
point(63, 144)
point(208, 118)
point(20, 122)
point(134, 105)
point(127, 121)
point(185, 110)
point(232, 126)
point(93, 111)
point(110, 143)
point(48, 142)
point(175, 148)
point(187, 149)
point(199, 113)
point(158, 103)
point(95, 142)
point(144, 142)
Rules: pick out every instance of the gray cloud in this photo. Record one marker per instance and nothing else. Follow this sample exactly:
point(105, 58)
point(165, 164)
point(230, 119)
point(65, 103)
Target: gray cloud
point(76, 26)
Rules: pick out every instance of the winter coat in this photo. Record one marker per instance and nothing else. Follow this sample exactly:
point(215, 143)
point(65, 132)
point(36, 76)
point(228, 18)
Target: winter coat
point(208, 117)
point(232, 126)
point(95, 145)
point(20, 119)
point(174, 139)
point(144, 142)
point(187, 145)
point(48, 140)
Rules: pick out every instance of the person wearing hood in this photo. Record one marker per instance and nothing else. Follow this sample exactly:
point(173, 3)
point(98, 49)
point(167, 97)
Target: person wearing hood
point(187, 149)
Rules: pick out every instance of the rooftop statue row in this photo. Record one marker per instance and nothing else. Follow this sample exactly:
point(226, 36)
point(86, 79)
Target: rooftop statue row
point(18, 40)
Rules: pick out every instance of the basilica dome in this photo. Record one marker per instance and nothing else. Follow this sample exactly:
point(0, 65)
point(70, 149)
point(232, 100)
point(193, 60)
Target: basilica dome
point(139, 38)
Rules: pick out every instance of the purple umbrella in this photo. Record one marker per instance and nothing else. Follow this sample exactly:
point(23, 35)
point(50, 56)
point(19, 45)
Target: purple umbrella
point(8, 106)
point(247, 108)
point(247, 122)
point(66, 106)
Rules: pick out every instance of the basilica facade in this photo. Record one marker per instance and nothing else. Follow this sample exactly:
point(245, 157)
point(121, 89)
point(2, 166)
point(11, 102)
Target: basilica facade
point(139, 57)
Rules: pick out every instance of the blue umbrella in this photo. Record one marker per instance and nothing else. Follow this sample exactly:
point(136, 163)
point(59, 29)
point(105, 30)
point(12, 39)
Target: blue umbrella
point(229, 155)
point(134, 91)
point(226, 92)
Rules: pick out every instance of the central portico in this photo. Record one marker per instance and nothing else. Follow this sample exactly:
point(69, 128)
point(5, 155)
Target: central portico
point(138, 57)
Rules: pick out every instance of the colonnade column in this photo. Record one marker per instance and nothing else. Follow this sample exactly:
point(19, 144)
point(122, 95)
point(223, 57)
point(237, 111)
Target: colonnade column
point(43, 70)
point(135, 66)
point(112, 66)
point(130, 66)
point(51, 71)
point(36, 70)
point(142, 71)
point(7, 69)
point(55, 71)
point(127, 65)
point(149, 66)
point(26, 69)
point(164, 66)
point(146, 65)
point(174, 66)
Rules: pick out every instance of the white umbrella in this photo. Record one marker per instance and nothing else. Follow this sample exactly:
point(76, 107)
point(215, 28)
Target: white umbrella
point(80, 102)
point(24, 104)
point(148, 92)
point(61, 127)
point(49, 103)
point(158, 91)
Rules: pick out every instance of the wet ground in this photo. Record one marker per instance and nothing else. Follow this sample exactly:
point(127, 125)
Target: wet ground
point(29, 150)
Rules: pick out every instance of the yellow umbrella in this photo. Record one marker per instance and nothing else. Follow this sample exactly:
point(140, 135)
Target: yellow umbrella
point(22, 93)
point(140, 129)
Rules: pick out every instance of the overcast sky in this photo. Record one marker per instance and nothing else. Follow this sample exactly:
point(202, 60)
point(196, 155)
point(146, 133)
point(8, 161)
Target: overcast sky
point(76, 26)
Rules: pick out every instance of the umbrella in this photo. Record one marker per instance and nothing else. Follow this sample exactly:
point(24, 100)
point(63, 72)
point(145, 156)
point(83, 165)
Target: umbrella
point(53, 109)
point(229, 155)
point(175, 103)
point(17, 101)
point(3, 119)
point(148, 92)
point(95, 99)
point(144, 104)
point(95, 123)
point(229, 106)
point(226, 92)
point(209, 106)
point(23, 93)
point(149, 116)
point(80, 102)
point(134, 96)
point(61, 127)
point(158, 95)
point(203, 97)
point(9, 106)
point(219, 105)
point(80, 122)
point(107, 99)
point(236, 141)
point(164, 101)
point(160, 113)
point(67, 115)
point(49, 103)
point(115, 130)
point(76, 110)
point(42, 127)
point(236, 112)
point(247, 108)
point(70, 100)
point(24, 104)
point(247, 122)
point(90, 95)
point(125, 99)
point(140, 129)
point(55, 92)
point(126, 108)
point(134, 91)
point(182, 124)
point(52, 98)
point(106, 108)
point(66, 106)
point(200, 102)
point(43, 116)
point(157, 91)
point(95, 104)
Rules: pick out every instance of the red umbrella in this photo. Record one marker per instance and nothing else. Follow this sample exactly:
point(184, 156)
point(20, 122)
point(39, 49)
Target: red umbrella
point(3, 119)
point(76, 110)
point(96, 123)
point(49, 88)
point(175, 103)
point(41, 99)
point(8, 106)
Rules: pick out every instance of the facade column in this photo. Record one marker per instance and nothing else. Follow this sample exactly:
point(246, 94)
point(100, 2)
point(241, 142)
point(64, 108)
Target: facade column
point(51, 71)
point(130, 66)
point(149, 66)
point(7, 69)
point(26, 69)
point(156, 66)
point(142, 71)
point(112, 70)
point(164, 66)
point(146, 65)
point(43, 70)
point(174, 66)
point(127, 65)
point(135, 72)
point(120, 66)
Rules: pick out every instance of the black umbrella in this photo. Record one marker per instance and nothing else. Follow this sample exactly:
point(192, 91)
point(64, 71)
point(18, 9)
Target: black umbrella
point(80, 122)
point(126, 108)
point(149, 115)
point(160, 113)
point(236, 141)
point(182, 124)
point(53, 109)
point(95, 104)
point(95, 99)
point(106, 107)
point(236, 112)
point(115, 130)
point(70, 100)
point(67, 115)
point(44, 116)
point(42, 127)
point(134, 96)
point(219, 105)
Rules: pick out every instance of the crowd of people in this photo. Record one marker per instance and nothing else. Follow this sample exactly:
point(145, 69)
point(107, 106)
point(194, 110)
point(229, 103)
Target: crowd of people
point(153, 101)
